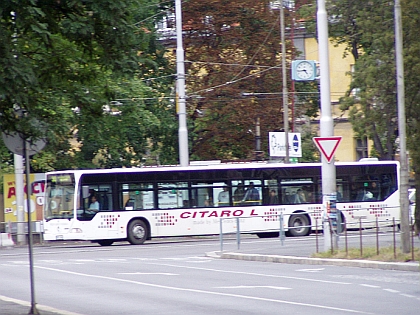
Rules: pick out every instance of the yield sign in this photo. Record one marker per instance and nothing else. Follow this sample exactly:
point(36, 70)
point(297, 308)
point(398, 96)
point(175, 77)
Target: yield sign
point(327, 146)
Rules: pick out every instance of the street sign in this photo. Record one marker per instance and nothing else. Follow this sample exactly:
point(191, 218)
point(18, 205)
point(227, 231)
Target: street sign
point(277, 144)
point(327, 146)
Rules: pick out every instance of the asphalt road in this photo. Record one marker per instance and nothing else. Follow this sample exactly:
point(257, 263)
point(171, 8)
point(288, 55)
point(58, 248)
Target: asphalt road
point(174, 276)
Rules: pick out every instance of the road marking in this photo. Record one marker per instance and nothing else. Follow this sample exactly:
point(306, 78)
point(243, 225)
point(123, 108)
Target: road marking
point(148, 273)
point(254, 287)
point(311, 270)
point(255, 298)
point(391, 290)
point(38, 306)
point(253, 274)
point(370, 286)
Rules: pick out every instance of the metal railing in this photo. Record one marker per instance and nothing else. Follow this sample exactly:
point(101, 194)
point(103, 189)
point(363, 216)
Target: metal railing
point(378, 227)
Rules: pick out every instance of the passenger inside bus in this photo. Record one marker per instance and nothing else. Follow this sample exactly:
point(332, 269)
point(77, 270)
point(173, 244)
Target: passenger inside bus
point(223, 197)
point(94, 204)
point(273, 199)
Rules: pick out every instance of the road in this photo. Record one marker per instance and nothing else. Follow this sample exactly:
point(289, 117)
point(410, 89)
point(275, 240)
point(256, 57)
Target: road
point(176, 277)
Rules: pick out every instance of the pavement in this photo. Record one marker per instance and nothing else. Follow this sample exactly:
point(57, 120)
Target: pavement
point(10, 306)
point(301, 251)
point(288, 251)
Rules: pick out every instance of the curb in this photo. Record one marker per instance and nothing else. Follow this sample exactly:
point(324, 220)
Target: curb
point(406, 266)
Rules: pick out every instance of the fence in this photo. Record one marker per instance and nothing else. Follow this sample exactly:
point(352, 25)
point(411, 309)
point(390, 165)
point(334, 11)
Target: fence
point(377, 227)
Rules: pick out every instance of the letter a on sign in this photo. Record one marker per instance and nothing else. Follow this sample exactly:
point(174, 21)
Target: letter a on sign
point(327, 146)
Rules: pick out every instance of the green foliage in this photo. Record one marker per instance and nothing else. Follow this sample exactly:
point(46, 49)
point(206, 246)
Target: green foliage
point(63, 61)
point(366, 29)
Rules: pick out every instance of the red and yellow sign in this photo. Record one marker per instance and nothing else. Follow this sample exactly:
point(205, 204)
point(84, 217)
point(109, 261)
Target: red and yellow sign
point(36, 199)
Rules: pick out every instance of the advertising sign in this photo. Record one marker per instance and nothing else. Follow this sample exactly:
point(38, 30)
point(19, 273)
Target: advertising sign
point(36, 199)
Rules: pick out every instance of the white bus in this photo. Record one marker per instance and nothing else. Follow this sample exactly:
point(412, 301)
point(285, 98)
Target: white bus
point(137, 204)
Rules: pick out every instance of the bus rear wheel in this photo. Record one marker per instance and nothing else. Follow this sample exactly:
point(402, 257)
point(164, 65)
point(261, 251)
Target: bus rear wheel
point(299, 225)
point(137, 232)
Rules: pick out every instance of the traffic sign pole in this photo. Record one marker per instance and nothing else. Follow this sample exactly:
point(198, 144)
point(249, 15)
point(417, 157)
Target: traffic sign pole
point(329, 189)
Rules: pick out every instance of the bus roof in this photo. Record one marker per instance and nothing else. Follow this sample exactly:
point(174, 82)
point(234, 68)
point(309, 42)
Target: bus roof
point(215, 166)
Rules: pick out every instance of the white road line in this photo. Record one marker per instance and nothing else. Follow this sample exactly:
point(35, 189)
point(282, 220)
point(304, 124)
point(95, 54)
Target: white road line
point(391, 290)
point(254, 287)
point(252, 274)
point(311, 270)
point(38, 306)
point(370, 286)
point(205, 292)
point(148, 273)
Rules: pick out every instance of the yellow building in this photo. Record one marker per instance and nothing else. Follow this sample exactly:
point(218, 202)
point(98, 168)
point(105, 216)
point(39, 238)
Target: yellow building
point(350, 148)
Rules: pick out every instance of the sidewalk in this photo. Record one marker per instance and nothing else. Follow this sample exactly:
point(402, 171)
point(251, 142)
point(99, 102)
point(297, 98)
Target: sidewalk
point(10, 306)
point(298, 251)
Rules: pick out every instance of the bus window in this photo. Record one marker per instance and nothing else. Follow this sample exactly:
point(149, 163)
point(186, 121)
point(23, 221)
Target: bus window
point(173, 195)
point(238, 188)
point(297, 191)
point(136, 196)
point(252, 195)
point(202, 194)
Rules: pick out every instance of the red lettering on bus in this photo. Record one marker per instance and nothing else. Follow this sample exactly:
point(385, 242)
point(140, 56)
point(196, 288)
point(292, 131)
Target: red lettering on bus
point(253, 212)
point(185, 215)
point(213, 214)
point(225, 213)
point(237, 213)
point(203, 213)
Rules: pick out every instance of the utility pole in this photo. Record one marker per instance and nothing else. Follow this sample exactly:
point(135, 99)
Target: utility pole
point(285, 91)
point(404, 204)
point(328, 172)
point(180, 95)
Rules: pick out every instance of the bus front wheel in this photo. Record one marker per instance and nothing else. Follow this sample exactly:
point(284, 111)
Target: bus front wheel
point(299, 225)
point(137, 232)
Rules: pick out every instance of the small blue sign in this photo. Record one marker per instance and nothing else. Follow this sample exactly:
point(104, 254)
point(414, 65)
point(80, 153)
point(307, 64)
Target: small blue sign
point(295, 143)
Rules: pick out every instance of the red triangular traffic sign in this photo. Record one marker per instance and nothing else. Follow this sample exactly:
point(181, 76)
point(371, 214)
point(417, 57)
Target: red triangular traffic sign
point(327, 146)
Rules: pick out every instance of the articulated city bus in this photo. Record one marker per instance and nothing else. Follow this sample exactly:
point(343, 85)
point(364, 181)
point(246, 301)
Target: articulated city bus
point(137, 204)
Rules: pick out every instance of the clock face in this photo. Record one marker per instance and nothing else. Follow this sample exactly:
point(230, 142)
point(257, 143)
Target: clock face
point(304, 70)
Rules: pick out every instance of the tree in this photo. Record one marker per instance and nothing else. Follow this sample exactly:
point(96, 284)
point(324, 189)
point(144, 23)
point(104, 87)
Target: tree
point(233, 49)
point(60, 61)
point(411, 23)
point(367, 28)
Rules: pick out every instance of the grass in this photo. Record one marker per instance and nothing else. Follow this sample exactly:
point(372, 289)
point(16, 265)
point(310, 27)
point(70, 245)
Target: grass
point(370, 253)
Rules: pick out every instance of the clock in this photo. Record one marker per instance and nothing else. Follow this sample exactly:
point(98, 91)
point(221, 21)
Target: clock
point(303, 70)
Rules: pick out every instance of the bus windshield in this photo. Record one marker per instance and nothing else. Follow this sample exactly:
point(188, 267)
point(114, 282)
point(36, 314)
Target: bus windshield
point(59, 197)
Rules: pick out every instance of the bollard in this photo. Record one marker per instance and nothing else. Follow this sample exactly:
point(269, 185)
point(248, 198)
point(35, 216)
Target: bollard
point(238, 234)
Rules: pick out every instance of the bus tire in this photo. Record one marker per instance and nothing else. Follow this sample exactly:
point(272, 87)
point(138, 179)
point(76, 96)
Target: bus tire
point(137, 232)
point(105, 242)
point(299, 225)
